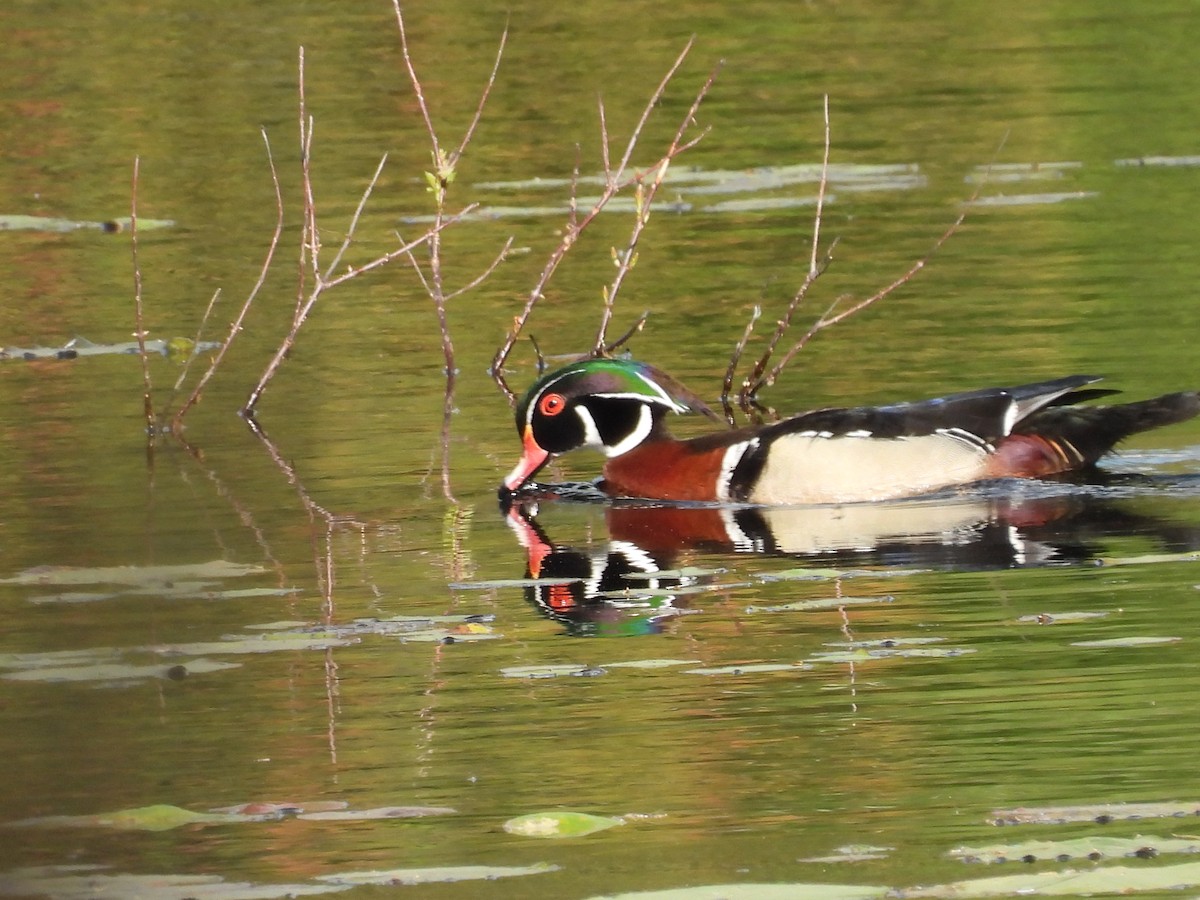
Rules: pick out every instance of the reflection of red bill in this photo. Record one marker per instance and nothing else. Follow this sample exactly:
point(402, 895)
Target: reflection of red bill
point(532, 459)
point(536, 547)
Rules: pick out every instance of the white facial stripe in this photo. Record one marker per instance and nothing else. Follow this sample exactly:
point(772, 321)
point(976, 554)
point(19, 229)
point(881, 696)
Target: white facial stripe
point(591, 434)
point(660, 398)
point(640, 432)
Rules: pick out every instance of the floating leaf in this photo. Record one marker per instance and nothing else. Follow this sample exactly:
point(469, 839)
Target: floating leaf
point(255, 644)
point(450, 635)
point(651, 663)
point(16, 222)
point(822, 603)
point(1127, 642)
point(1101, 813)
point(115, 671)
point(833, 574)
point(750, 669)
point(1032, 199)
point(562, 824)
point(436, 874)
point(865, 655)
point(381, 812)
point(78, 347)
point(269, 809)
point(999, 173)
point(163, 817)
point(553, 670)
point(81, 882)
point(1060, 617)
point(1148, 559)
point(159, 817)
point(851, 853)
point(752, 891)
point(134, 576)
point(1093, 848)
point(886, 643)
point(73, 597)
point(1159, 161)
point(1066, 883)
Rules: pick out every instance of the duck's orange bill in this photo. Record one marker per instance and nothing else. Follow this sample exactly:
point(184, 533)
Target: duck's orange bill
point(532, 459)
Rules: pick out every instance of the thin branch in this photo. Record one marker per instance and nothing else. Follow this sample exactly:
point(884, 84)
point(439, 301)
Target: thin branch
point(486, 273)
point(645, 195)
point(309, 302)
point(310, 243)
point(654, 100)
point(636, 327)
point(140, 331)
point(605, 148)
point(193, 353)
point(416, 82)
point(734, 359)
point(816, 241)
point(440, 179)
point(358, 211)
point(483, 98)
point(827, 320)
point(754, 381)
point(575, 227)
point(236, 327)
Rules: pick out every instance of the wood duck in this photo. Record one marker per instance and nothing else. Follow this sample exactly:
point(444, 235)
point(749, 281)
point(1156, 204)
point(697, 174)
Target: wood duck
point(848, 455)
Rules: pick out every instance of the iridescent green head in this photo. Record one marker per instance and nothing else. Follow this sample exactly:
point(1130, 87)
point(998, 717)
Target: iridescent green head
point(609, 404)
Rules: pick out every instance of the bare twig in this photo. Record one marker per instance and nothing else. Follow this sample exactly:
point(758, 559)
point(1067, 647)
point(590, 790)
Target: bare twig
point(615, 180)
point(731, 370)
point(236, 327)
point(310, 250)
point(439, 179)
point(483, 98)
point(415, 81)
point(817, 265)
point(827, 320)
point(140, 331)
point(192, 354)
point(358, 211)
point(485, 274)
point(310, 301)
point(629, 333)
point(309, 239)
point(645, 194)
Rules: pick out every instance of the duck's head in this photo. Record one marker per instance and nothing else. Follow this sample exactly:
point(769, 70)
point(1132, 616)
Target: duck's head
point(612, 405)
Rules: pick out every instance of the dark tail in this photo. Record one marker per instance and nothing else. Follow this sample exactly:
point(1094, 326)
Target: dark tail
point(1092, 431)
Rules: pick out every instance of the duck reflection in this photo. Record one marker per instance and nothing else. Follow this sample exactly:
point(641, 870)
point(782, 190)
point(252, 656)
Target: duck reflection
point(648, 565)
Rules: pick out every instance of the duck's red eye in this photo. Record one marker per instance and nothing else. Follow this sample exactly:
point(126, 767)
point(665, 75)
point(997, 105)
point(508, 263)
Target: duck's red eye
point(552, 404)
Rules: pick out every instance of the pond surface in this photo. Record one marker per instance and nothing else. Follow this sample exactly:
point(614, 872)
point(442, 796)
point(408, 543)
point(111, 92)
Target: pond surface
point(332, 622)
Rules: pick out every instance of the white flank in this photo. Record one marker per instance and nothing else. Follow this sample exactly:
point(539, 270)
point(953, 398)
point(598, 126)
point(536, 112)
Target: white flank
point(803, 468)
